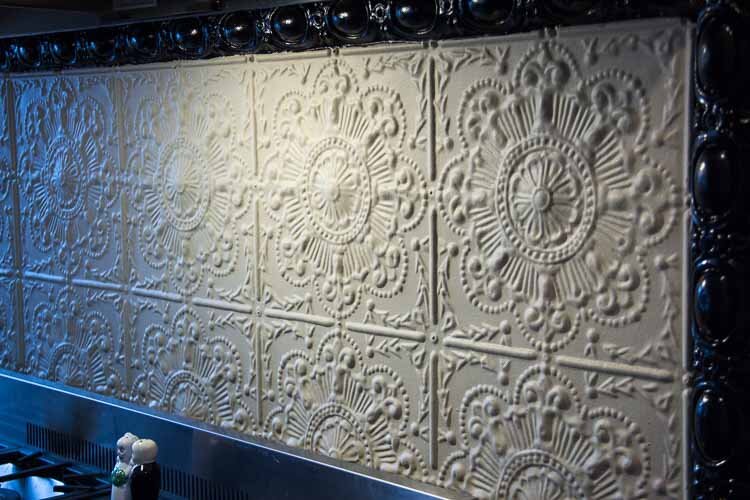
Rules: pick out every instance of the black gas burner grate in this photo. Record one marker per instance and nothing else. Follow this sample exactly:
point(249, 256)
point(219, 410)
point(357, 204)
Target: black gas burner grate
point(31, 474)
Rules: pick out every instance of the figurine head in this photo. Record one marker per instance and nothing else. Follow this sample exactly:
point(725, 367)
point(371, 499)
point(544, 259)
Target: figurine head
point(144, 451)
point(124, 447)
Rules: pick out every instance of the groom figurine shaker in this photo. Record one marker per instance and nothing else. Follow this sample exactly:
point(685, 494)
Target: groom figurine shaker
point(145, 476)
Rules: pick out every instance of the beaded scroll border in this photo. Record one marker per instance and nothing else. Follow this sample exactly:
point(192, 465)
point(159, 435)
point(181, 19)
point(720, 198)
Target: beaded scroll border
point(314, 25)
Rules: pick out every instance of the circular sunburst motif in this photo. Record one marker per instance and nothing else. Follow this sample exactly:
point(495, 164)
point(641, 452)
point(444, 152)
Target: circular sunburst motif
point(188, 187)
point(63, 177)
point(337, 191)
point(538, 475)
point(340, 191)
point(556, 207)
point(176, 195)
point(541, 443)
point(68, 365)
point(187, 372)
point(185, 396)
point(334, 431)
point(68, 178)
point(185, 190)
point(330, 402)
point(546, 198)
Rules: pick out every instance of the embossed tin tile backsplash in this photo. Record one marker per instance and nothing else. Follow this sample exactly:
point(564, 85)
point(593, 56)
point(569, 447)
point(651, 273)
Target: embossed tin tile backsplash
point(461, 261)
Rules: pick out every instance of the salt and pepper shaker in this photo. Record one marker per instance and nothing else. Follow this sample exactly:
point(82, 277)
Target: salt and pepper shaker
point(121, 472)
point(145, 476)
point(136, 475)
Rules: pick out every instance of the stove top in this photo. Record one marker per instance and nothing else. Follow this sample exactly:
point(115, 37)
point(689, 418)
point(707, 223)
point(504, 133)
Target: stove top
point(29, 474)
point(6, 494)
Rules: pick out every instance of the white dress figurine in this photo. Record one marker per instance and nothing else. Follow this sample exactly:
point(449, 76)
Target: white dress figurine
point(121, 472)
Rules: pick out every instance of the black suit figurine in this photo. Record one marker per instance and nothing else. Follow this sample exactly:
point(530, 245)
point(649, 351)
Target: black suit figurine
point(145, 477)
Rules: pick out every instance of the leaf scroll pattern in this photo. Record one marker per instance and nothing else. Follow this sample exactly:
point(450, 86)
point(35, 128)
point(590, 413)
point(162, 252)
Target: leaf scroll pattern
point(69, 179)
point(541, 442)
point(340, 192)
point(555, 197)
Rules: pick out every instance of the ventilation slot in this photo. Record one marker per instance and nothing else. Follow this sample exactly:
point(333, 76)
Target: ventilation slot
point(66, 446)
point(173, 481)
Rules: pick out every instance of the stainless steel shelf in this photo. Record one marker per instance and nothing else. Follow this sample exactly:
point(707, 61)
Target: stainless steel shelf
point(198, 461)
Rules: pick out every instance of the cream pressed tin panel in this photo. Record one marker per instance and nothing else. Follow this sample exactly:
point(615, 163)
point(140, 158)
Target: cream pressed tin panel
point(7, 187)
point(196, 362)
point(73, 335)
point(460, 262)
point(9, 331)
point(343, 148)
point(343, 152)
point(67, 162)
point(562, 225)
point(189, 162)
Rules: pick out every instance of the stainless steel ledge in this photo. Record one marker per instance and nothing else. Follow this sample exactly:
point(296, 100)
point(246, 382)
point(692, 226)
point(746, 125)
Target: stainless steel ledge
point(199, 461)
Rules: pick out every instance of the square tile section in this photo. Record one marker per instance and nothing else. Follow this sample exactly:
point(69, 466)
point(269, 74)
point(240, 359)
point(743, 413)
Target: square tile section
point(73, 335)
point(193, 361)
point(343, 155)
point(190, 163)
point(328, 391)
point(67, 150)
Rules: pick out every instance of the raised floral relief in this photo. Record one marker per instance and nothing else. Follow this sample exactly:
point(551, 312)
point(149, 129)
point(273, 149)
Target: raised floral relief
point(69, 177)
point(70, 339)
point(562, 212)
point(340, 191)
point(330, 401)
point(6, 220)
point(460, 262)
point(556, 196)
point(185, 371)
point(540, 442)
point(187, 180)
point(7, 177)
point(8, 326)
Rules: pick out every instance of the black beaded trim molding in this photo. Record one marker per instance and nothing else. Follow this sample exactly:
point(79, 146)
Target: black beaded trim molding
point(720, 249)
point(314, 25)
